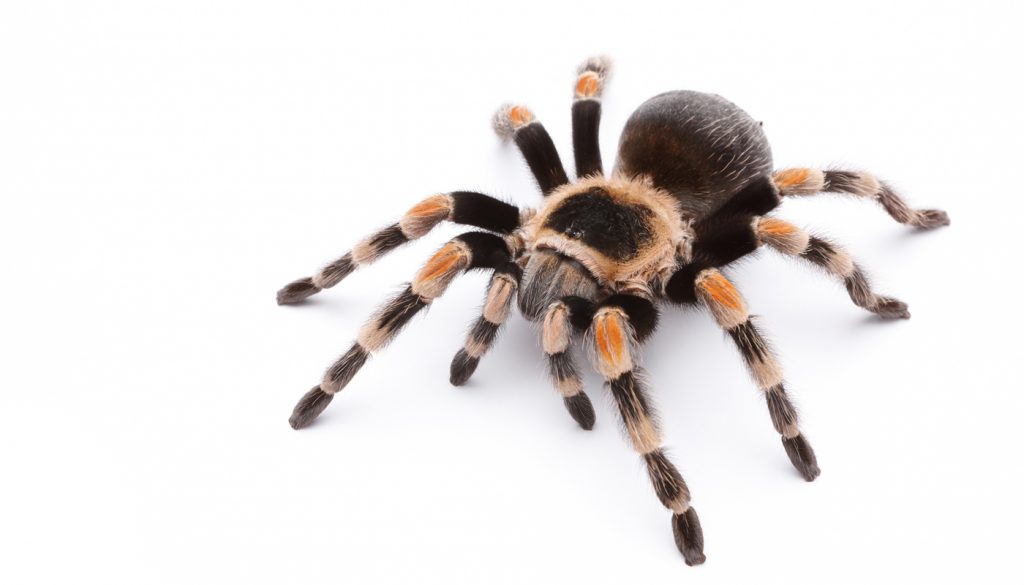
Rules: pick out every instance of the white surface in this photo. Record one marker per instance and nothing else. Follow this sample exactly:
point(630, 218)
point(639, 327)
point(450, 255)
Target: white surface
point(166, 167)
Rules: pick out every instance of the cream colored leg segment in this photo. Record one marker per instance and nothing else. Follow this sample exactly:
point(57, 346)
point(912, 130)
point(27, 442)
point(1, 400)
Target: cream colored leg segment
point(726, 305)
point(805, 181)
point(793, 241)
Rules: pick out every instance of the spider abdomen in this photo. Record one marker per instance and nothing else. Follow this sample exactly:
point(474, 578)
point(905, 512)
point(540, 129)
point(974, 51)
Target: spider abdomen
point(699, 147)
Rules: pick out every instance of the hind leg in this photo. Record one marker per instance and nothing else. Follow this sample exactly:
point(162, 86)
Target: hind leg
point(833, 259)
point(805, 181)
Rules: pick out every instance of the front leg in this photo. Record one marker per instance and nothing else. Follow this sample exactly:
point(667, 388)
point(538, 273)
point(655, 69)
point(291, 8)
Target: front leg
point(618, 326)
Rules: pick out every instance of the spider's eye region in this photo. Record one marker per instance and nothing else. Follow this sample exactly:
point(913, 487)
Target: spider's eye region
point(617, 230)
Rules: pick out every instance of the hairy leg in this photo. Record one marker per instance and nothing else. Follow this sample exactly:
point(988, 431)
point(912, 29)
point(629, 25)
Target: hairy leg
point(462, 207)
point(730, 311)
point(501, 292)
point(556, 341)
point(592, 75)
point(518, 123)
point(618, 325)
point(830, 257)
point(465, 252)
point(807, 181)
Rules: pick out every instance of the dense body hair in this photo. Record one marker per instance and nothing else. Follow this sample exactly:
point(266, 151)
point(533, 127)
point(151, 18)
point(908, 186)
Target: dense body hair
point(699, 147)
point(691, 193)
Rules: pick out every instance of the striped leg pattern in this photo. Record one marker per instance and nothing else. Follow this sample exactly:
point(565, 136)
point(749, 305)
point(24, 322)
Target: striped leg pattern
point(500, 294)
point(730, 311)
point(833, 259)
point(468, 251)
point(462, 207)
point(613, 343)
point(805, 181)
point(556, 338)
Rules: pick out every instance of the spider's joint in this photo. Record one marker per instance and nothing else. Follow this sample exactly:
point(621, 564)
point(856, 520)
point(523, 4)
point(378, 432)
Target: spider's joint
point(426, 214)
point(799, 181)
point(784, 417)
point(781, 235)
point(637, 287)
point(556, 331)
point(499, 298)
point(613, 342)
point(342, 371)
point(721, 298)
point(334, 272)
point(569, 387)
point(442, 268)
point(859, 184)
point(378, 244)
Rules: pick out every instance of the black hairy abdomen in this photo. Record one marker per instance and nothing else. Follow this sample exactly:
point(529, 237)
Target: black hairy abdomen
point(614, 229)
point(699, 147)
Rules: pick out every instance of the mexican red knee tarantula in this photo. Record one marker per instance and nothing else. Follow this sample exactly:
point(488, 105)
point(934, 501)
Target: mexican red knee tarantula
point(690, 193)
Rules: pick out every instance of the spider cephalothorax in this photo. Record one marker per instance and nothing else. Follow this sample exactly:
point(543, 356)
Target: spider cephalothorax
point(621, 233)
point(690, 194)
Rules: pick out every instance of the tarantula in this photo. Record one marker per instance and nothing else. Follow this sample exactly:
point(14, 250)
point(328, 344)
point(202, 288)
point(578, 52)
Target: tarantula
point(690, 193)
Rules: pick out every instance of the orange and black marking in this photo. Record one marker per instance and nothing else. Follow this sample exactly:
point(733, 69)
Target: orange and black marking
point(518, 123)
point(781, 235)
point(771, 226)
point(586, 116)
point(612, 340)
point(435, 276)
point(730, 311)
point(799, 181)
point(426, 214)
point(807, 181)
point(612, 336)
point(588, 85)
point(520, 116)
point(721, 298)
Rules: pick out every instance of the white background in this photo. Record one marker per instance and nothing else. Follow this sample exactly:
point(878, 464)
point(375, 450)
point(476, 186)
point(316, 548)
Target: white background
point(166, 167)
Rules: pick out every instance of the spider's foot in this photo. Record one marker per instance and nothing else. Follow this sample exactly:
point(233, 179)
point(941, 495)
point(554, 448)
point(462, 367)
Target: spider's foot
point(928, 219)
point(463, 366)
point(309, 407)
point(592, 76)
point(581, 410)
point(890, 308)
point(510, 118)
point(689, 536)
point(299, 290)
point(802, 456)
